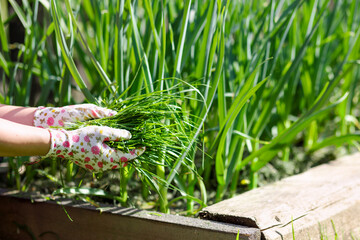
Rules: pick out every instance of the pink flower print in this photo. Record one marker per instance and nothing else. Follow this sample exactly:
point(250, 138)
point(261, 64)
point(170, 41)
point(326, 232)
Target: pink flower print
point(114, 167)
point(66, 144)
point(95, 150)
point(61, 156)
point(100, 164)
point(63, 110)
point(89, 167)
point(106, 139)
point(94, 113)
point(105, 145)
point(71, 154)
point(82, 149)
point(87, 159)
point(125, 164)
point(58, 151)
point(87, 138)
point(75, 138)
point(61, 122)
point(76, 162)
point(132, 152)
point(50, 121)
point(111, 160)
point(124, 159)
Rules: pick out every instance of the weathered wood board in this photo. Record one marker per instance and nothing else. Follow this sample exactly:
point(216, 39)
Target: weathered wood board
point(312, 203)
point(23, 219)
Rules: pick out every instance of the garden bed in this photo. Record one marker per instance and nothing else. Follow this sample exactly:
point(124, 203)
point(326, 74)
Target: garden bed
point(274, 81)
point(25, 216)
point(322, 201)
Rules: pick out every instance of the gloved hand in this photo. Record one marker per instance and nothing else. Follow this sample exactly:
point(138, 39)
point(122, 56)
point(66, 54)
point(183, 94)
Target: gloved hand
point(87, 147)
point(46, 117)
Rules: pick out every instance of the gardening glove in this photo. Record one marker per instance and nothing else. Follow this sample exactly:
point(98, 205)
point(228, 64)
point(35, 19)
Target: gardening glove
point(87, 147)
point(46, 117)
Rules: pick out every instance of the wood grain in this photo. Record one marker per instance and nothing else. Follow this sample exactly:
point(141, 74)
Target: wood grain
point(311, 202)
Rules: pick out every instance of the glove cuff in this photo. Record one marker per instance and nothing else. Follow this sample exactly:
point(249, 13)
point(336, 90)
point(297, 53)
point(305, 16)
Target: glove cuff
point(45, 117)
point(60, 144)
point(38, 118)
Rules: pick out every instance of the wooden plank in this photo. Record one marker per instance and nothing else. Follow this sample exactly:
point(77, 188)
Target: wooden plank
point(42, 219)
point(309, 202)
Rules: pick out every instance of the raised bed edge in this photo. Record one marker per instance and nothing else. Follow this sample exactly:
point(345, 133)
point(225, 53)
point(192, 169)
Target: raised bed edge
point(26, 215)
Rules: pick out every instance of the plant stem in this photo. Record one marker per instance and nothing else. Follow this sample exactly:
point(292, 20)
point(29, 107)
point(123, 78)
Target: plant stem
point(69, 171)
point(191, 187)
point(235, 179)
point(17, 175)
point(53, 167)
point(219, 193)
point(124, 178)
point(253, 178)
point(254, 174)
point(163, 201)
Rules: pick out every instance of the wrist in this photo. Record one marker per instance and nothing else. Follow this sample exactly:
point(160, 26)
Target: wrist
point(58, 143)
point(45, 141)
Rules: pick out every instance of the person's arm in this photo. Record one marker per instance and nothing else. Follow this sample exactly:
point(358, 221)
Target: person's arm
point(21, 140)
point(22, 115)
point(46, 117)
point(25, 132)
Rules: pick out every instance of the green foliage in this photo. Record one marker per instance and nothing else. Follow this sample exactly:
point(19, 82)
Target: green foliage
point(271, 77)
point(155, 121)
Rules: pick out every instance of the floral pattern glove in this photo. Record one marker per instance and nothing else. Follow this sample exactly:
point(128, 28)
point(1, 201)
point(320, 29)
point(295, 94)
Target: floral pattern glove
point(46, 117)
point(87, 147)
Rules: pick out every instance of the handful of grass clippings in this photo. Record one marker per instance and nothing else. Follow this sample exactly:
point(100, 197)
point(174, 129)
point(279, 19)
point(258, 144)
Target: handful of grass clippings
point(155, 122)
